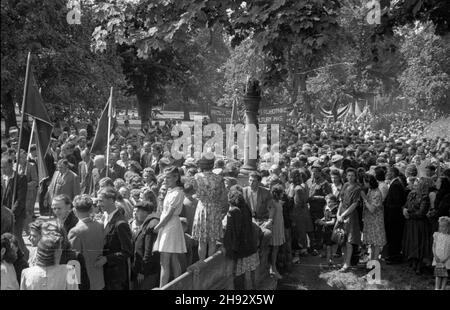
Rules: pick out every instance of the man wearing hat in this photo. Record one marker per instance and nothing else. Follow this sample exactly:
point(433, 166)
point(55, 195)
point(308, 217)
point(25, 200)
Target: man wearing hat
point(336, 163)
point(219, 166)
point(189, 163)
point(306, 148)
point(145, 262)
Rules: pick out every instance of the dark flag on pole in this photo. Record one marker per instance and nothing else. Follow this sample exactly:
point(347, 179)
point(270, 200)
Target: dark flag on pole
point(101, 135)
point(34, 107)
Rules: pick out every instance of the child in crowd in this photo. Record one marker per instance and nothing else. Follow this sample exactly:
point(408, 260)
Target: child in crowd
point(191, 245)
point(189, 205)
point(286, 249)
point(278, 238)
point(441, 252)
point(327, 223)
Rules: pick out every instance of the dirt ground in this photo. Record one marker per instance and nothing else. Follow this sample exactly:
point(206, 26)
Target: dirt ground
point(313, 273)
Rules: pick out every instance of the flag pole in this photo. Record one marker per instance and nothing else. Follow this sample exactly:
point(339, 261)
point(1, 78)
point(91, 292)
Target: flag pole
point(33, 128)
point(109, 130)
point(25, 92)
point(31, 142)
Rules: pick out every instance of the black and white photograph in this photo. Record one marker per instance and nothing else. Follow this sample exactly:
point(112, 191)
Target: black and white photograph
point(242, 148)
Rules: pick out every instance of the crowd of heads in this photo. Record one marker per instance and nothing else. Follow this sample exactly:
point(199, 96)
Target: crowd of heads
point(334, 151)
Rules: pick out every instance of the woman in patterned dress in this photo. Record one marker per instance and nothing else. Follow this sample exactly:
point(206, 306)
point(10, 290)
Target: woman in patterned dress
point(212, 196)
point(374, 234)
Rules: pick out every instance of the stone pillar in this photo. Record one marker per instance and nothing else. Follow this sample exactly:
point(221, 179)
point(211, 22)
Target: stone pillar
point(251, 99)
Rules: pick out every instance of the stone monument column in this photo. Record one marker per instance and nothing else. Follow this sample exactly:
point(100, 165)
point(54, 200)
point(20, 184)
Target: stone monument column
point(251, 98)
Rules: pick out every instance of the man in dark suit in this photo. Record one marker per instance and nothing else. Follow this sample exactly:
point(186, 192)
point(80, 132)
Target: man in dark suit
point(98, 173)
point(62, 209)
point(51, 158)
point(87, 238)
point(393, 215)
point(118, 247)
point(7, 221)
point(146, 157)
point(145, 263)
point(260, 201)
point(117, 171)
point(64, 181)
point(132, 153)
point(157, 154)
point(85, 168)
point(18, 206)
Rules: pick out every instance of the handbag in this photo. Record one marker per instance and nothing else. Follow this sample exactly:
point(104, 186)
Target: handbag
point(440, 271)
point(338, 234)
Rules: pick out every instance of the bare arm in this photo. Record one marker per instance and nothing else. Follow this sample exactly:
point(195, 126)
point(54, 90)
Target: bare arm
point(349, 210)
point(373, 205)
point(330, 222)
point(165, 219)
point(339, 209)
point(434, 252)
point(175, 202)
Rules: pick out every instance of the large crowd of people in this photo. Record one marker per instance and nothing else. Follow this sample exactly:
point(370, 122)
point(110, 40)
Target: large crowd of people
point(340, 189)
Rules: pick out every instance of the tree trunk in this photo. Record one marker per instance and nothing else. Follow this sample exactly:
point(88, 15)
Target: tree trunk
point(144, 107)
point(185, 104)
point(186, 114)
point(9, 112)
point(305, 98)
point(295, 84)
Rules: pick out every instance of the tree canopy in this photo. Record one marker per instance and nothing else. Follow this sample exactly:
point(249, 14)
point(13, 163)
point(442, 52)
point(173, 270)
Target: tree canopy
point(197, 53)
point(69, 73)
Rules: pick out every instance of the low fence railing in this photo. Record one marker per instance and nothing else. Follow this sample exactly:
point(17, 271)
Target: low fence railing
point(216, 273)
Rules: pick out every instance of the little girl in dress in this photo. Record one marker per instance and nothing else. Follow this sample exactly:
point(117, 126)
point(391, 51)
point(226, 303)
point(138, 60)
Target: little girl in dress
point(441, 252)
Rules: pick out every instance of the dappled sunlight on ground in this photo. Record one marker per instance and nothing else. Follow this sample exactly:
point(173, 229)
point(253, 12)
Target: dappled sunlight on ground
point(314, 274)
